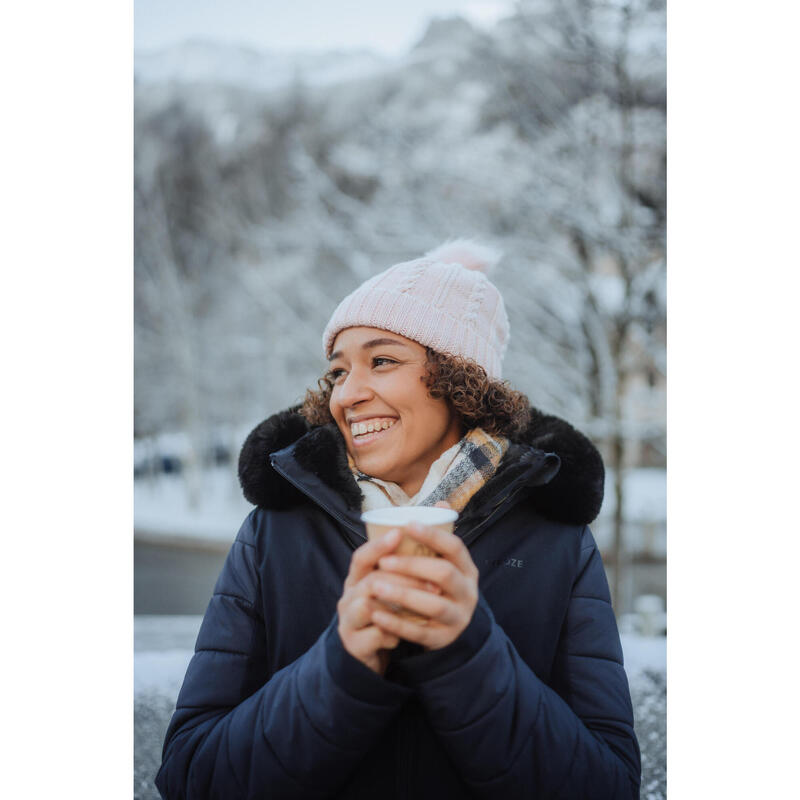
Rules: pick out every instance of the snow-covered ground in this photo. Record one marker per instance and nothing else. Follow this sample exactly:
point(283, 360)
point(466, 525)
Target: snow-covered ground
point(161, 507)
point(163, 646)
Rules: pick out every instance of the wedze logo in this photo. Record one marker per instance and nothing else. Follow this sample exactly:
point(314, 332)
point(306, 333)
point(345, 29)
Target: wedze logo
point(508, 562)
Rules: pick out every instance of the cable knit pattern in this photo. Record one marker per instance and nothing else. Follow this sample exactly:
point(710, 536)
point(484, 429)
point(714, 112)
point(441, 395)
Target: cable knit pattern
point(412, 275)
point(474, 304)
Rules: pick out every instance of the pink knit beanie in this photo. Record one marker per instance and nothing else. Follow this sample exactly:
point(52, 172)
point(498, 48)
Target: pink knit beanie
point(443, 300)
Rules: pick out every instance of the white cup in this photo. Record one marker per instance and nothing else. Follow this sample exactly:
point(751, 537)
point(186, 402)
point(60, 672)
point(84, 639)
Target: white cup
point(382, 520)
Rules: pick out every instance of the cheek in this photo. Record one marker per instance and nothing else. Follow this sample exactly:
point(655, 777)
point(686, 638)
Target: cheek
point(338, 418)
point(429, 416)
point(334, 407)
point(437, 409)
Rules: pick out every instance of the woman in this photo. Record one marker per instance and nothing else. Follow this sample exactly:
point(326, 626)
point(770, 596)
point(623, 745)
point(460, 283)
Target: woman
point(304, 685)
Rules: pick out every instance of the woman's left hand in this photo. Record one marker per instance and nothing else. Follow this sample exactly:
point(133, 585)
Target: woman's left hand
point(448, 613)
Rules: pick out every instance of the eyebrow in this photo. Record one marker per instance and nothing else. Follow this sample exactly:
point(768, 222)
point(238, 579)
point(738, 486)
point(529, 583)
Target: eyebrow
point(367, 345)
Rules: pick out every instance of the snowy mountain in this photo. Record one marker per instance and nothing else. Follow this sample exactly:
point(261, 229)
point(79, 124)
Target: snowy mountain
point(206, 62)
point(270, 184)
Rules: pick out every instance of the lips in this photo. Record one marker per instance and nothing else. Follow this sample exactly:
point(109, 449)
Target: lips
point(372, 425)
point(363, 439)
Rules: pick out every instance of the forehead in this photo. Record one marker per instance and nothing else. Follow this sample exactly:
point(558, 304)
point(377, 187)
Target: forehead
point(352, 340)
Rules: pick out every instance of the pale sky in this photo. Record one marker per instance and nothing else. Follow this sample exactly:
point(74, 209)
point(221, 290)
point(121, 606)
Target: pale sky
point(387, 26)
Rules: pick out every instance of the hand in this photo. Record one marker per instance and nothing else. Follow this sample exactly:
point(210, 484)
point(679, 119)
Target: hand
point(448, 612)
point(364, 640)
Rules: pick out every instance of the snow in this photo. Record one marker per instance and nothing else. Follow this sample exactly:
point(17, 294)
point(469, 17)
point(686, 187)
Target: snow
point(161, 507)
point(163, 647)
point(204, 62)
point(160, 672)
point(265, 193)
point(645, 497)
point(644, 653)
point(279, 202)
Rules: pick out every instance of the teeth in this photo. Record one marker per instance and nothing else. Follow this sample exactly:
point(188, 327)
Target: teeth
point(360, 428)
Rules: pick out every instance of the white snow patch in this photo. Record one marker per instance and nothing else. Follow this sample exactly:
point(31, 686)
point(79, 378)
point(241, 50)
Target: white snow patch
point(160, 672)
point(644, 653)
point(645, 495)
point(161, 507)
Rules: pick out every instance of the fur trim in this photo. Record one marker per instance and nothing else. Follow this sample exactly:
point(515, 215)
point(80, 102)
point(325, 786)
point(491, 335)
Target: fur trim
point(576, 492)
point(574, 495)
point(261, 485)
point(471, 255)
point(332, 468)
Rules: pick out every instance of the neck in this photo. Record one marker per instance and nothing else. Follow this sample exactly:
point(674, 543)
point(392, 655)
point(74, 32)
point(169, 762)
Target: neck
point(413, 482)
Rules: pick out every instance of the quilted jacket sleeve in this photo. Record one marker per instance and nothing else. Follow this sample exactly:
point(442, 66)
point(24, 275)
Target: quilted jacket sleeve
point(512, 736)
point(238, 732)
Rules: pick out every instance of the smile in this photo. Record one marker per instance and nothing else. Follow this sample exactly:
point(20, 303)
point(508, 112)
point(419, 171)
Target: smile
point(370, 430)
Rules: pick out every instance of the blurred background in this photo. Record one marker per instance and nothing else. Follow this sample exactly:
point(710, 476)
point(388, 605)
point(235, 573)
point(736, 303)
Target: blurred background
point(286, 152)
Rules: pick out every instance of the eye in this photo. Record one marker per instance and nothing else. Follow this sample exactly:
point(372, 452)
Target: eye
point(381, 360)
point(334, 375)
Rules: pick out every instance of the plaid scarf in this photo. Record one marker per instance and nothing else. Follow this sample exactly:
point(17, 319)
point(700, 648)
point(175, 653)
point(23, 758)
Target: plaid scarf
point(454, 477)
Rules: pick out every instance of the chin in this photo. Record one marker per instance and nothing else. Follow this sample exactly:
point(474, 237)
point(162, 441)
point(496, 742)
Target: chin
point(378, 468)
point(374, 467)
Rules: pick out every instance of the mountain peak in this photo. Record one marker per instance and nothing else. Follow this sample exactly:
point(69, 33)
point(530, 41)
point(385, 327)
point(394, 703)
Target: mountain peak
point(452, 31)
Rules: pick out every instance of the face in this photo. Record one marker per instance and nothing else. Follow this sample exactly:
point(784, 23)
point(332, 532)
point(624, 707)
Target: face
point(379, 383)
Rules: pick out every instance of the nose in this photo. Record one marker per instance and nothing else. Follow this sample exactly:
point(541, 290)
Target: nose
point(354, 389)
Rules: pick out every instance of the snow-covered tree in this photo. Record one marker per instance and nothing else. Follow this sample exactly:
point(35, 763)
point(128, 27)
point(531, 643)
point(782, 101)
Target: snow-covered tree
point(257, 209)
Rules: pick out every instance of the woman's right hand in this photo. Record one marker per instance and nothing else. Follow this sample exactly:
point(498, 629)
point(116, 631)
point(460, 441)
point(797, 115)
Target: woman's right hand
point(360, 636)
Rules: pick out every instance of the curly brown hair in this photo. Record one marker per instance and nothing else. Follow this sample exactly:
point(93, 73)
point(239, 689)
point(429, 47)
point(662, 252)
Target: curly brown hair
point(478, 401)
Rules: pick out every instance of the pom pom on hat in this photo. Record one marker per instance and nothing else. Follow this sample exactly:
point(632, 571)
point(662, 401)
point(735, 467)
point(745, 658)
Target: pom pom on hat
point(469, 254)
point(442, 300)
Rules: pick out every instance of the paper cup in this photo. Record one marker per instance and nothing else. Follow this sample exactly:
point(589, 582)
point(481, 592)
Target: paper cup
point(382, 520)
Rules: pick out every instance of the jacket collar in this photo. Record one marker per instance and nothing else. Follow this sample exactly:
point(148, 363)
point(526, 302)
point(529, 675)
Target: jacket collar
point(285, 462)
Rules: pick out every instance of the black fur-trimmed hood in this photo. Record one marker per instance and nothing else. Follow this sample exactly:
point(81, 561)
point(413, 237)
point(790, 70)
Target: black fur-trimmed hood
point(574, 494)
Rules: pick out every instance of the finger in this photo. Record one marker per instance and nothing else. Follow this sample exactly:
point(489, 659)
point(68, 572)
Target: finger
point(388, 640)
point(397, 578)
point(448, 545)
point(436, 570)
point(442, 504)
point(403, 628)
point(356, 604)
point(366, 557)
point(420, 602)
point(356, 611)
point(373, 638)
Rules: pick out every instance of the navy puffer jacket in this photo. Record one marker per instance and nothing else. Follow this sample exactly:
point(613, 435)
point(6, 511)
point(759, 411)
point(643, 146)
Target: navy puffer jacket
point(530, 701)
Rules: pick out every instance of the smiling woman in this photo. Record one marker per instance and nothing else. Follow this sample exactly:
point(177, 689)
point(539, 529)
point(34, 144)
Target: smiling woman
point(502, 683)
point(452, 382)
point(393, 428)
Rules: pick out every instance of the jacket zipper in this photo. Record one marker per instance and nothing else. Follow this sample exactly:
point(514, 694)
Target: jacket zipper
point(471, 536)
point(324, 506)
